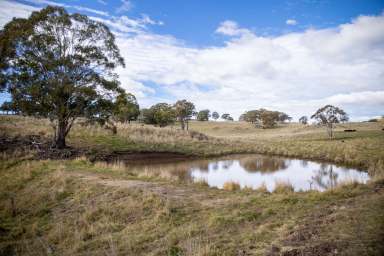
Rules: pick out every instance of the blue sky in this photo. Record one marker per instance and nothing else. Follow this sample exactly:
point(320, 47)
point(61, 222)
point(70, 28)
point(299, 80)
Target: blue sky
point(232, 56)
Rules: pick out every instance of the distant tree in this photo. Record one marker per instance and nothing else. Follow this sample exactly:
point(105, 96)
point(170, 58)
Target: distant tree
point(328, 116)
point(269, 118)
point(284, 117)
point(161, 114)
point(126, 108)
point(303, 120)
point(184, 110)
point(203, 115)
point(265, 117)
point(60, 66)
point(146, 116)
point(252, 116)
point(215, 115)
point(227, 117)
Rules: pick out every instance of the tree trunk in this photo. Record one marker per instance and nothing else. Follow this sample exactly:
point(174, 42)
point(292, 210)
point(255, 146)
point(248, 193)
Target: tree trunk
point(60, 135)
point(182, 124)
point(187, 125)
point(330, 131)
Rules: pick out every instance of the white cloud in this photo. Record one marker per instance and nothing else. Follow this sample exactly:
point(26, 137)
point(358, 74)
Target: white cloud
point(125, 6)
point(296, 72)
point(102, 2)
point(231, 28)
point(291, 22)
point(75, 7)
point(8, 10)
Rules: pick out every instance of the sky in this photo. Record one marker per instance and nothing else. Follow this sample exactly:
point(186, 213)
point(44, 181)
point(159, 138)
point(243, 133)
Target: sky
point(231, 56)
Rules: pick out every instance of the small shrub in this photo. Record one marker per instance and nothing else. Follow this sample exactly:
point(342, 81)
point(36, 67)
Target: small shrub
point(231, 186)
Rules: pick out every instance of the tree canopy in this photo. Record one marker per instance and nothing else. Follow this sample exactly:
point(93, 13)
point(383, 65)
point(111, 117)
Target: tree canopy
point(60, 66)
point(303, 120)
point(126, 108)
point(161, 114)
point(203, 115)
point(328, 116)
point(227, 117)
point(184, 110)
point(215, 115)
point(265, 118)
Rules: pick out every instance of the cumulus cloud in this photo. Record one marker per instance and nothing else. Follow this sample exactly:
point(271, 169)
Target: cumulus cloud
point(295, 72)
point(291, 22)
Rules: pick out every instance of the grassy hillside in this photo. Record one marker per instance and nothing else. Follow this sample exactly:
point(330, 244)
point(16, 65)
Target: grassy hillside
point(74, 206)
point(360, 149)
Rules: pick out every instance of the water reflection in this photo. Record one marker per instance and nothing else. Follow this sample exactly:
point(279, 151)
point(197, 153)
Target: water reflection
point(262, 163)
point(253, 171)
point(325, 177)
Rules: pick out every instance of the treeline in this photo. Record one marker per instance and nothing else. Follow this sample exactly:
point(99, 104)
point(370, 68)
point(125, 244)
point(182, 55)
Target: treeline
point(163, 114)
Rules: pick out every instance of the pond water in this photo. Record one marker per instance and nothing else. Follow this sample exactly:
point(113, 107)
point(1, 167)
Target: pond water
point(253, 171)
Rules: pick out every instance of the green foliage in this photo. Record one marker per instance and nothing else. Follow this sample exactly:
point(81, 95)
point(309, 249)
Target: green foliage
point(126, 108)
point(266, 118)
point(161, 114)
point(303, 120)
point(59, 65)
point(215, 115)
point(203, 115)
point(328, 116)
point(227, 117)
point(184, 110)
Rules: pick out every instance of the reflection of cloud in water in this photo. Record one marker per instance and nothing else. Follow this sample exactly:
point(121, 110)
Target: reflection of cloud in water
point(253, 171)
point(227, 164)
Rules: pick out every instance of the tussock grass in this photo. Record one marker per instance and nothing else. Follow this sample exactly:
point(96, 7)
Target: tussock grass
point(61, 213)
point(360, 149)
point(48, 207)
point(231, 186)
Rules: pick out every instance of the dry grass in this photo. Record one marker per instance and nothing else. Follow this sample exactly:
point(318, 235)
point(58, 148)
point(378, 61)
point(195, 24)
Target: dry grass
point(231, 186)
point(57, 213)
point(262, 188)
point(46, 208)
point(283, 187)
point(360, 149)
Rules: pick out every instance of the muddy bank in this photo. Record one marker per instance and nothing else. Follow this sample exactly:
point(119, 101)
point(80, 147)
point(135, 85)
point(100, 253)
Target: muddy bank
point(146, 157)
point(41, 148)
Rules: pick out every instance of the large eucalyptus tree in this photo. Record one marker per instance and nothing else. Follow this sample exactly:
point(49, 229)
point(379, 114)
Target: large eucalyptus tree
point(59, 66)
